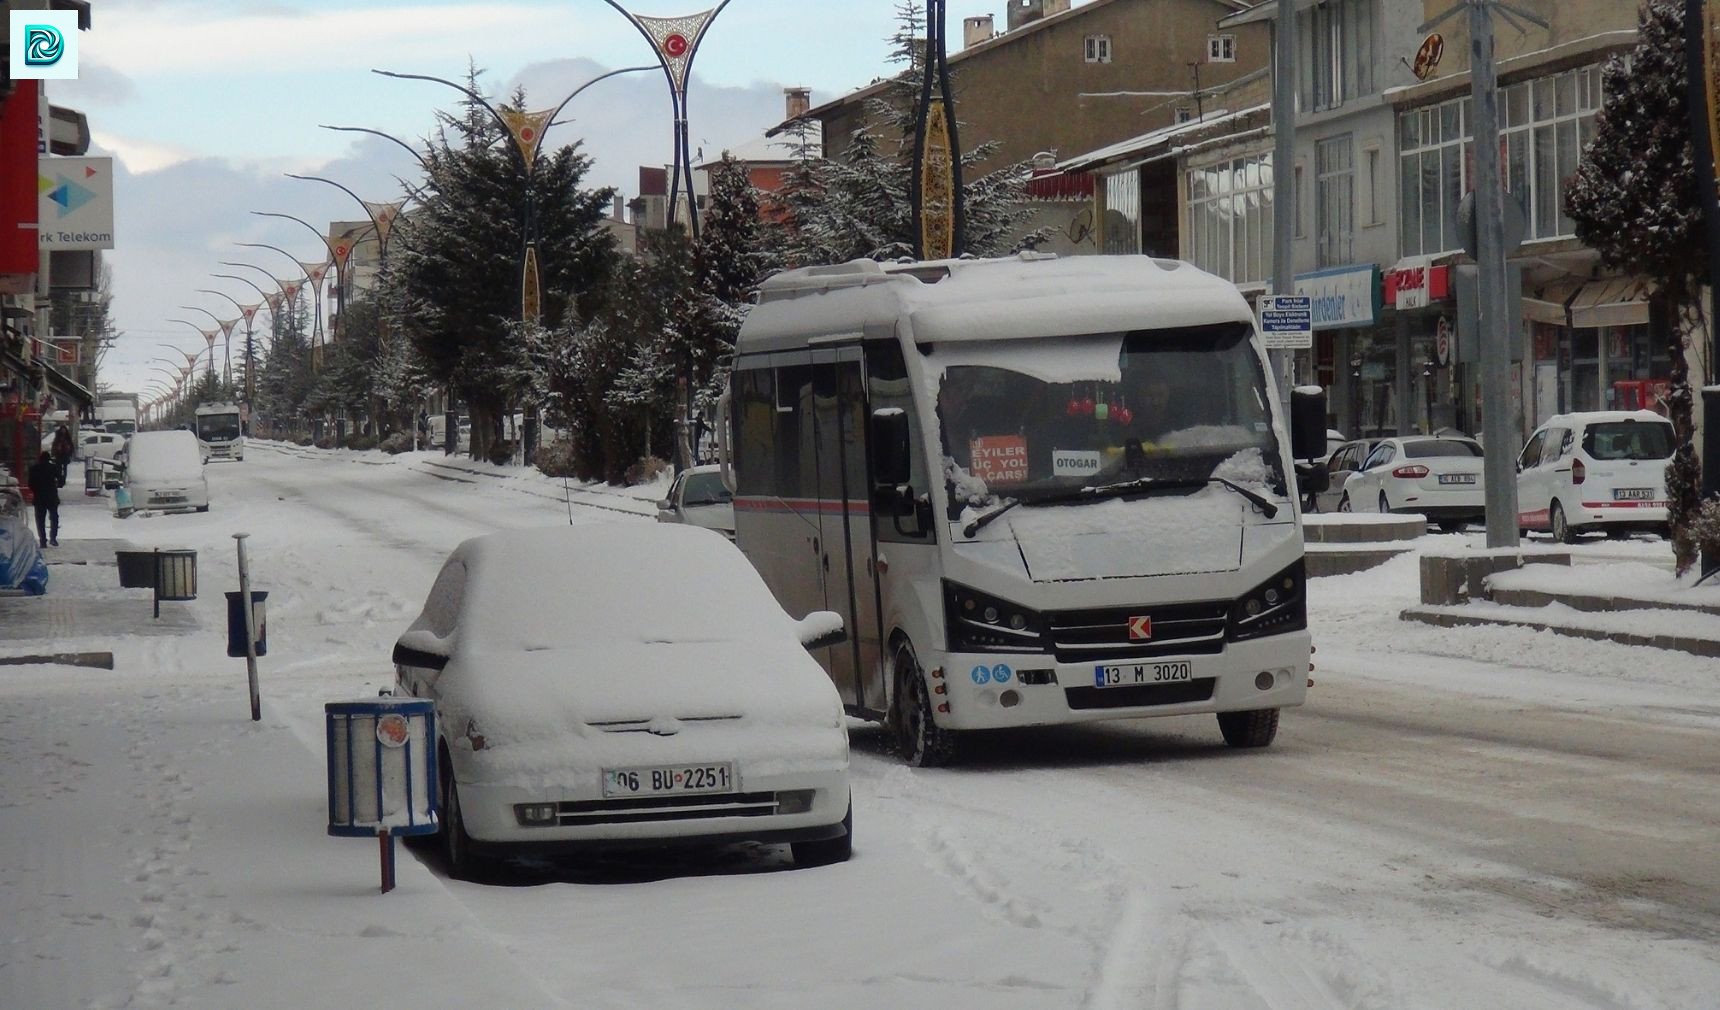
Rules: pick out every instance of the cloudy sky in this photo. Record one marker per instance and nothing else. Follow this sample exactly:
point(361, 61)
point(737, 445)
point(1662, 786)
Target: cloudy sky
point(206, 105)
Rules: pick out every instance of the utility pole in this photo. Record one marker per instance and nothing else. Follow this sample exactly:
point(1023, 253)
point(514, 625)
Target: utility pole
point(1284, 194)
point(1702, 53)
point(1499, 325)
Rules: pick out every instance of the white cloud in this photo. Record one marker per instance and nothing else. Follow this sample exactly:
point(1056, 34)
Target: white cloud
point(141, 156)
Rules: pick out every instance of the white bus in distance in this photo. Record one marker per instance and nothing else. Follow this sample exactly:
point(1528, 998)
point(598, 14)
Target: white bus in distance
point(220, 431)
point(1038, 491)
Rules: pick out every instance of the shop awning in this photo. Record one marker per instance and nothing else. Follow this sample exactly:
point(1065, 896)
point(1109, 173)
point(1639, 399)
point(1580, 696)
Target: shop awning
point(1548, 304)
point(1621, 301)
point(64, 386)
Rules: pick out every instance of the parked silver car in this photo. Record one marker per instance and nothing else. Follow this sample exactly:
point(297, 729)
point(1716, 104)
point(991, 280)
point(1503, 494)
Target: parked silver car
point(698, 498)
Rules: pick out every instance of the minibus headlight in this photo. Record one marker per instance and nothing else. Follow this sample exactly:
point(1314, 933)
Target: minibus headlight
point(1276, 606)
point(977, 622)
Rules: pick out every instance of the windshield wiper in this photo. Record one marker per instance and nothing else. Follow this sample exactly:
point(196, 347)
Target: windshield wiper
point(1096, 493)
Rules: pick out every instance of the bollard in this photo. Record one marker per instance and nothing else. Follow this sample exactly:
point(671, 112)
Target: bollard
point(250, 629)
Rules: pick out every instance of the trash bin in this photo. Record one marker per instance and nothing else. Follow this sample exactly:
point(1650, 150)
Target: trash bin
point(236, 623)
point(381, 767)
point(176, 575)
point(92, 477)
point(136, 569)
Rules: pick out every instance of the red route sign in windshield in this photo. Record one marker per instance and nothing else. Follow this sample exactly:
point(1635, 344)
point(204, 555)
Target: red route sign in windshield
point(998, 459)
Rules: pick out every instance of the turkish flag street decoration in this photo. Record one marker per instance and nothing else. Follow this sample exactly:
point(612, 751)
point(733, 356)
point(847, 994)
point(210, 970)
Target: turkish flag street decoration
point(384, 215)
point(528, 129)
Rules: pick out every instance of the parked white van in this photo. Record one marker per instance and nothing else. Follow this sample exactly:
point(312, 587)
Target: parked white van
point(1596, 471)
point(164, 472)
point(1037, 491)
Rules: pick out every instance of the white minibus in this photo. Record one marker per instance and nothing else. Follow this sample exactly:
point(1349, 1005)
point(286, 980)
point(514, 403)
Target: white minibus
point(1038, 491)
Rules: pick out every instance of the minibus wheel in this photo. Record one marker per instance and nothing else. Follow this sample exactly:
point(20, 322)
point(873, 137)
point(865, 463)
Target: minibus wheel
point(1249, 729)
point(924, 743)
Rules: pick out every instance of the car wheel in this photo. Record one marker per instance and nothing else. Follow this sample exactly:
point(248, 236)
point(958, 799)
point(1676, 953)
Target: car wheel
point(1344, 504)
point(457, 855)
point(1445, 526)
point(1249, 729)
point(205, 508)
point(924, 743)
point(1562, 531)
point(826, 851)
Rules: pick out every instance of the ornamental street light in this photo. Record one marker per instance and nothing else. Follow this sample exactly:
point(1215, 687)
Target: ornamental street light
point(527, 130)
point(225, 326)
point(316, 273)
point(247, 313)
point(250, 343)
point(289, 289)
point(675, 42)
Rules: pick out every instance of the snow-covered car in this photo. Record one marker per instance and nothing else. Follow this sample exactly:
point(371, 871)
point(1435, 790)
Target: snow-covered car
point(699, 498)
point(1435, 476)
point(613, 686)
point(164, 472)
point(1601, 470)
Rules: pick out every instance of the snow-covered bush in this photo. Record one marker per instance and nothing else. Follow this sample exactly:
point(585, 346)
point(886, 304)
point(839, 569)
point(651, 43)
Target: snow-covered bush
point(395, 444)
point(556, 459)
point(502, 451)
point(646, 470)
point(361, 443)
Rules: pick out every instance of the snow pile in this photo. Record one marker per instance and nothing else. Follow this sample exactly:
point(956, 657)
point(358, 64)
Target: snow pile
point(1634, 580)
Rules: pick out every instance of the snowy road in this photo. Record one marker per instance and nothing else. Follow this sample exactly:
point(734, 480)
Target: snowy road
point(1457, 819)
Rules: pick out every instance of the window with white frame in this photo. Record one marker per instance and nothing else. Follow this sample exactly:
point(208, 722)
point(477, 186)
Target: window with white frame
point(1372, 189)
point(1184, 114)
point(1123, 213)
point(1334, 201)
point(1335, 58)
point(1544, 125)
point(1230, 218)
point(1098, 49)
point(1221, 49)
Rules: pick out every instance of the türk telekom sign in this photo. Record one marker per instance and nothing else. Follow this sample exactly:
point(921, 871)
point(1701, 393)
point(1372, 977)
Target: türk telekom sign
point(75, 203)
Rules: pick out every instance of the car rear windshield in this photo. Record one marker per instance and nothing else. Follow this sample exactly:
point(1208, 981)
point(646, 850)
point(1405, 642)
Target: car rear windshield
point(1442, 447)
point(1628, 440)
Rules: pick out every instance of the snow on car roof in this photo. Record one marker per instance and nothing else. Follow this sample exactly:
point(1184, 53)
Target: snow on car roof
point(571, 586)
point(1573, 420)
point(165, 455)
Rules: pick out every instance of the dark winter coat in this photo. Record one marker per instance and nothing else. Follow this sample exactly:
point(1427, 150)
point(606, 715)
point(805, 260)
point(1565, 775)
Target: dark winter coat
point(45, 482)
point(62, 445)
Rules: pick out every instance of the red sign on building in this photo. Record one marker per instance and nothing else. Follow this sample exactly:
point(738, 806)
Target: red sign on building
point(19, 251)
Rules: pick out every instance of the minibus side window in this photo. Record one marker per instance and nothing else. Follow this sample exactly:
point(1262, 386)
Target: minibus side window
point(888, 386)
point(755, 431)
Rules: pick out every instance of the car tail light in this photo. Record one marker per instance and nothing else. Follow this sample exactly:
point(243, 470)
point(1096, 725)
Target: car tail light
point(1415, 472)
point(1579, 472)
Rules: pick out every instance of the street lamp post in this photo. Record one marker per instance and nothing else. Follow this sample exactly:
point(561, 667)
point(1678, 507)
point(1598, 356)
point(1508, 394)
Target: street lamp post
point(675, 42)
point(247, 313)
point(940, 218)
point(336, 259)
point(226, 326)
point(250, 346)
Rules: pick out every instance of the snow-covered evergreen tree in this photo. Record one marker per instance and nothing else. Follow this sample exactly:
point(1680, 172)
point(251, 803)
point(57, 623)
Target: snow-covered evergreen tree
point(284, 378)
point(455, 266)
point(1636, 199)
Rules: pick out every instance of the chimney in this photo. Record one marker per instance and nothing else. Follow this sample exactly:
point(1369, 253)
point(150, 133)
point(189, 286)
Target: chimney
point(977, 30)
point(799, 101)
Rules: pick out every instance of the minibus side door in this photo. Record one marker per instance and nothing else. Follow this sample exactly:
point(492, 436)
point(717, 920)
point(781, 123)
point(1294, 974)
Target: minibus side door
point(844, 514)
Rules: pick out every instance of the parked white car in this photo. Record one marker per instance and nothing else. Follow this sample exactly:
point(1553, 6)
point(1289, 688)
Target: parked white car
point(615, 686)
point(164, 472)
point(699, 498)
point(1603, 470)
point(1346, 459)
point(1436, 476)
point(102, 445)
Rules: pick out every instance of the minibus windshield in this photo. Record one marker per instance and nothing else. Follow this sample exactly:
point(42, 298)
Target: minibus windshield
point(218, 427)
point(1175, 406)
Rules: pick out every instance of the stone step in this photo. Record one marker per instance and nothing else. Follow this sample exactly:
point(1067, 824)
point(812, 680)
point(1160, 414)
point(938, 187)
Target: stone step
point(1594, 603)
point(1348, 559)
point(1464, 617)
point(1361, 528)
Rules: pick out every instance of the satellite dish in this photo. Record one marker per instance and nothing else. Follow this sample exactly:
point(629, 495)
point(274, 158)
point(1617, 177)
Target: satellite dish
point(1428, 56)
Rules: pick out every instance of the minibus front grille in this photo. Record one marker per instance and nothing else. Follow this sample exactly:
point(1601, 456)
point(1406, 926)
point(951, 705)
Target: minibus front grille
point(1183, 629)
point(646, 809)
point(1140, 696)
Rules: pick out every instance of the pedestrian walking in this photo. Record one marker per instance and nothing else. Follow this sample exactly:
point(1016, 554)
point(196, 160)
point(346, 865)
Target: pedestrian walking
point(63, 450)
point(45, 488)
